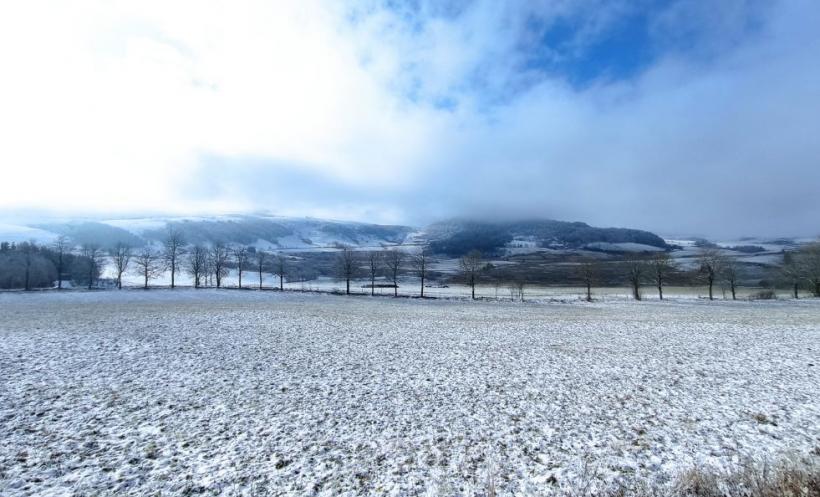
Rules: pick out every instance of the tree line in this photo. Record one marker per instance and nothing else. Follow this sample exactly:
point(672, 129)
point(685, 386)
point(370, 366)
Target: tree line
point(28, 266)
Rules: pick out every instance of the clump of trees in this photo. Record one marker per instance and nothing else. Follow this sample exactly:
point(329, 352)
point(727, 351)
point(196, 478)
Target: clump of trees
point(26, 266)
point(29, 266)
point(802, 268)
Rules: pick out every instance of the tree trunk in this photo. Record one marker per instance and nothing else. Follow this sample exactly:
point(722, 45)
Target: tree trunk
point(711, 296)
point(347, 289)
point(660, 287)
point(173, 272)
point(372, 285)
point(260, 280)
point(472, 287)
point(146, 279)
point(636, 291)
point(395, 287)
point(796, 296)
point(281, 286)
point(240, 278)
point(422, 286)
point(589, 292)
point(734, 296)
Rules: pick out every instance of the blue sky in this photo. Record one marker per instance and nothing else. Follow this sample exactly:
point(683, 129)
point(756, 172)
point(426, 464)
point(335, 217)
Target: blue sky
point(680, 116)
point(622, 51)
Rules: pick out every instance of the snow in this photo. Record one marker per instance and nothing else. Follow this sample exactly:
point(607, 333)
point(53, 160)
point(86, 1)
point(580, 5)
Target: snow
point(622, 247)
point(258, 393)
point(308, 234)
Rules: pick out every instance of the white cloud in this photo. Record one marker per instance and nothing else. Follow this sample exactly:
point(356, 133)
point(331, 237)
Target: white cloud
point(403, 116)
point(122, 98)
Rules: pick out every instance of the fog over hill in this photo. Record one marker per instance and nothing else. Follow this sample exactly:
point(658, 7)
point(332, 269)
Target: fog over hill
point(451, 237)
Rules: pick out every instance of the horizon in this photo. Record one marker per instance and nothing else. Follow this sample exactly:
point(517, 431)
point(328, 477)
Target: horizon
point(39, 219)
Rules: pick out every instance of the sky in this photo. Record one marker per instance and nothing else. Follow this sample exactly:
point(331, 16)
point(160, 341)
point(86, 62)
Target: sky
point(678, 116)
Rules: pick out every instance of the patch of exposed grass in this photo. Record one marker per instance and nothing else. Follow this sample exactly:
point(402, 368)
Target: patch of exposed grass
point(789, 478)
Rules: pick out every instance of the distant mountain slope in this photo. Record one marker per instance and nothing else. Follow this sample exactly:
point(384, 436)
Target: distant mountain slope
point(456, 237)
point(452, 238)
point(282, 233)
point(92, 232)
point(269, 232)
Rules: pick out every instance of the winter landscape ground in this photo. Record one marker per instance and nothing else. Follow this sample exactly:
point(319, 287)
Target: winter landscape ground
point(263, 393)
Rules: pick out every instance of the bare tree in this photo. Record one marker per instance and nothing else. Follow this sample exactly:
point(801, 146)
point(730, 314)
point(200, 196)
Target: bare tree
point(121, 255)
point(61, 248)
point(209, 268)
point(393, 260)
point(261, 259)
point(240, 254)
point(497, 283)
point(346, 266)
point(793, 272)
point(219, 259)
point(374, 263)
point(279, 269)
point(94, 258)
point(516, 287)
point(809, 260)
point(730, 271)
point(470, 266)
point(149, 264)
point(635, 273)
point(197, 264)
point(710, 262)
point(588, 272)
point(512, 289)
point(28, 251)
point(662, 265)
point(421, 266)
point(174, 245)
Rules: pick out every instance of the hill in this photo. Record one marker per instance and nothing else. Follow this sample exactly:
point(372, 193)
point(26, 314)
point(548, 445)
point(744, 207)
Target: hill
point(450, 238)
point(264, 232)
point(456, 237)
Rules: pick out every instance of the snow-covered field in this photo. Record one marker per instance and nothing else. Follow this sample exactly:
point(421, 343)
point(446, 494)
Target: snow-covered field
point(260, 393)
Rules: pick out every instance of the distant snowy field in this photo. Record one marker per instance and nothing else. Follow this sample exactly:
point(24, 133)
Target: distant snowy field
point(259, 393)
